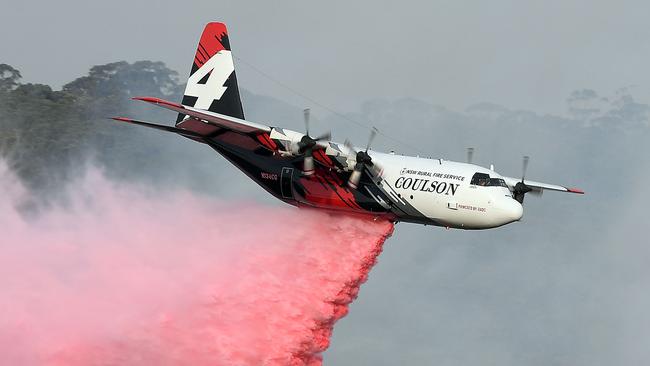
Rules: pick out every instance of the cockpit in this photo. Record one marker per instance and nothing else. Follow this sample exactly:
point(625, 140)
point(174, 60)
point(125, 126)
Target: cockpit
point(483, 179)
point(495, 193)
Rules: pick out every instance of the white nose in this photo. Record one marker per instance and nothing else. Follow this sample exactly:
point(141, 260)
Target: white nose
point(511, 209)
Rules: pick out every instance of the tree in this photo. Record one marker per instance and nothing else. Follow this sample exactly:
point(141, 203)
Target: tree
point(47, 134)
point(9, 78)
point(122, 78)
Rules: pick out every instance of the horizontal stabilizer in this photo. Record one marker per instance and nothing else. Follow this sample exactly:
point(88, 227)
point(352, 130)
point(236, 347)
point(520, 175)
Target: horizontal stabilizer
point(216, 119)
point(190, 134)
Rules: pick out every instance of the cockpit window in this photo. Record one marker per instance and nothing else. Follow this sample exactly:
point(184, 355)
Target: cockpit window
point(497, 182)
point(482, 179)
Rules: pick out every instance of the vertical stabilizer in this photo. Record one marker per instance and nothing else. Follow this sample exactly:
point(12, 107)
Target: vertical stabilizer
point(212, 84)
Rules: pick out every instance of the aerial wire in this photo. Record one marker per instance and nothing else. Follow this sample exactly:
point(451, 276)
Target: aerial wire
point(325, 107)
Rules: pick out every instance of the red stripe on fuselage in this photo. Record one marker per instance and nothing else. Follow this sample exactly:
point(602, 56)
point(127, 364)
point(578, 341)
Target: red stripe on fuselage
point(324, 189)
point(265, 140)
point(323, 158)
point(342, 191)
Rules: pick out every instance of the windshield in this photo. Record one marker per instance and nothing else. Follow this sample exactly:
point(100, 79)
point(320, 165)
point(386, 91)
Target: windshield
point(497, 182)
point(482, 179)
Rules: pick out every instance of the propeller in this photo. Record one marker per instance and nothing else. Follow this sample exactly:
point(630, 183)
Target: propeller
point(307, 144)
point(524, 167)
point(362, 159)
point(470, 154)
point(306, 112)
point(521, 188)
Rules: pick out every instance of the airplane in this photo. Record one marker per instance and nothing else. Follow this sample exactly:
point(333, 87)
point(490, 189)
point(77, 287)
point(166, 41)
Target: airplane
point(308, 171)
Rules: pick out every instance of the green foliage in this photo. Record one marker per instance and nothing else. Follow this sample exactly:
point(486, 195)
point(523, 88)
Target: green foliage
point(122, 78)
point(42, 134)
point(48, 135)
point(9, 78)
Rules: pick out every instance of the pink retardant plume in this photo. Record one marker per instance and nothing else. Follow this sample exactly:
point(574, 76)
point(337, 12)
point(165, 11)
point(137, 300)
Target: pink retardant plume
point(123, 275)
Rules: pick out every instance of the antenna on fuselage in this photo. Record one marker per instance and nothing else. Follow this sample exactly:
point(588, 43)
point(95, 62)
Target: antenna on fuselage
point(470, 154)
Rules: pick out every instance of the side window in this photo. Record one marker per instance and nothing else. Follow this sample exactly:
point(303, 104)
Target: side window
point(480, 179)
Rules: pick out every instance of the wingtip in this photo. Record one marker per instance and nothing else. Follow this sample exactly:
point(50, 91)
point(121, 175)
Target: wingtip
point(575, 190)
point(157, 101)
point(146, 99)
point(121, 119)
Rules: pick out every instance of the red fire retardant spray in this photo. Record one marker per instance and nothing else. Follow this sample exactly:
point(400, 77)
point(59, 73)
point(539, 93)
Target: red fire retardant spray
point(122, 275)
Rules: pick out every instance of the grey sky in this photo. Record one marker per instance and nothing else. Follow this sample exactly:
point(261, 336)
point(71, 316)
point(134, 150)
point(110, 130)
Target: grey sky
point(527, 55)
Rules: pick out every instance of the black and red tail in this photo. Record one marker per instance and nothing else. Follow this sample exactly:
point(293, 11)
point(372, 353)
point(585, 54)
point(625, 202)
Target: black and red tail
point(212, 84)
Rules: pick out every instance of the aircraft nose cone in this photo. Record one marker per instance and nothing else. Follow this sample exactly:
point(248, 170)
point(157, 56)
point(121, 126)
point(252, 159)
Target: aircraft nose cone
point(512, 210)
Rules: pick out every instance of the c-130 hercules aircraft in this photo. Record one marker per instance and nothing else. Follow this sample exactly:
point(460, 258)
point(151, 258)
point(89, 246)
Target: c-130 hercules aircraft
point(308, 171)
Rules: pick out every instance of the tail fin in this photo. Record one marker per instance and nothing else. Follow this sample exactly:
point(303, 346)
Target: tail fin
point(212, 84)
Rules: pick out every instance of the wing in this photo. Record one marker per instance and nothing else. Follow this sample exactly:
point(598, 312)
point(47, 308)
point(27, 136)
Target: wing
point(209, 118)
point(539, 187)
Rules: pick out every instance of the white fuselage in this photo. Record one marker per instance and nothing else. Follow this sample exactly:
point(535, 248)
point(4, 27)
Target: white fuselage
point(443, 192)
point(432, 191)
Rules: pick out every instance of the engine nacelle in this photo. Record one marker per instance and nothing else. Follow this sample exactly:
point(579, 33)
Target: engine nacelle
point(289, 140)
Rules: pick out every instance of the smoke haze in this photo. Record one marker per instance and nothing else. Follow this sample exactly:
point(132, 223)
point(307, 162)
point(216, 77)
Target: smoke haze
point(133, 276)
point(566, 82)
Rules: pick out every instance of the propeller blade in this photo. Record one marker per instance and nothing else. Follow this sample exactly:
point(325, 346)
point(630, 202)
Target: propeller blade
point(470, 154)
point(324, 137)
point(362, 159)
point(377, 169)
point(348, 145)
point(306, 113)
point(373, 133)
point(525, 167)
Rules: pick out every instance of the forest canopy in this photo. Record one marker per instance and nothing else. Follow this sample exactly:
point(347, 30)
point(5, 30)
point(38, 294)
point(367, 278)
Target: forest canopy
point(45, 135)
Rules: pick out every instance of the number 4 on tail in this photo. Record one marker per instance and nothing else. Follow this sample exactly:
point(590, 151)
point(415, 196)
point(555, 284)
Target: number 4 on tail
point(217, 70)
